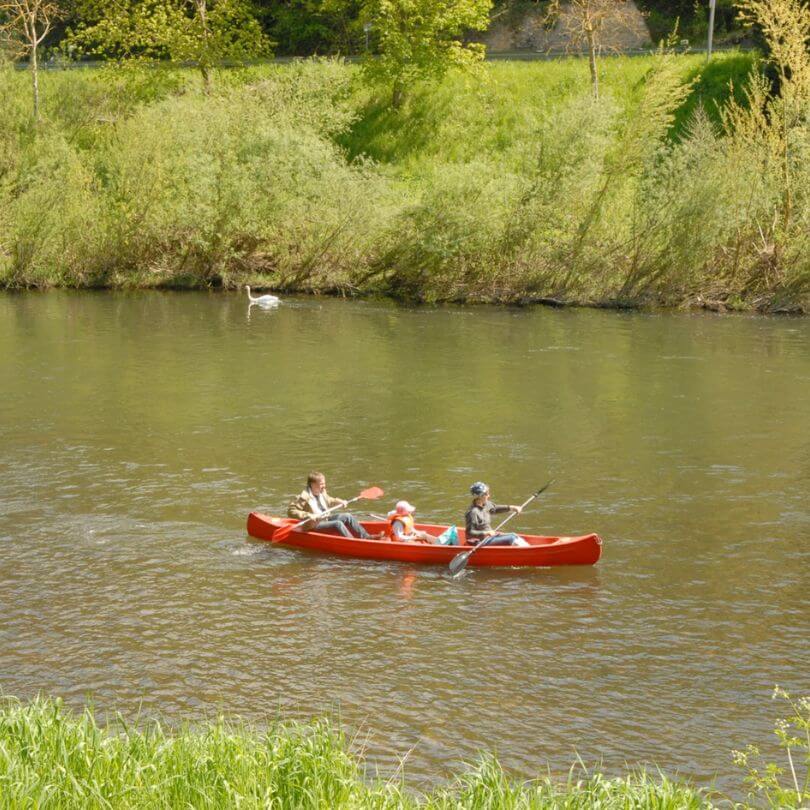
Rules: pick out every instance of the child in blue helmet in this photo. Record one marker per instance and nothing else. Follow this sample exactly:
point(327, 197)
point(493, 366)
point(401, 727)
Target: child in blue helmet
point(479, 516)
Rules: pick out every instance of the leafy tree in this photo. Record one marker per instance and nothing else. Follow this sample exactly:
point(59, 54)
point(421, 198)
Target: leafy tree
point(205, 32)
point(313, 26)
point(24, 24)
point(423, 38)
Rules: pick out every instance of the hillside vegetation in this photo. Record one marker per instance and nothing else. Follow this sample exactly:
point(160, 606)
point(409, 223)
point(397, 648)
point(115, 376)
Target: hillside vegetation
point(510, 183)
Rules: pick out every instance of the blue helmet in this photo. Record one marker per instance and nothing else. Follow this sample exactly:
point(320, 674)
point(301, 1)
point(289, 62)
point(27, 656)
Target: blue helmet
point(479, 488)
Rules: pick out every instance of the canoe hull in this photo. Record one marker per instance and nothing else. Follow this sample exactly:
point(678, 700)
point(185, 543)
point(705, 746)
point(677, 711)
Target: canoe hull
point(542, 551)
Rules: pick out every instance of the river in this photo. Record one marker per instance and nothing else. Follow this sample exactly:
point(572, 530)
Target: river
point(137, 430)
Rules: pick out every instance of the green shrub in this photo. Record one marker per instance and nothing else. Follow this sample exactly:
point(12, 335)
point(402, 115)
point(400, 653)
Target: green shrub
point(787, 784)
point(510, 186)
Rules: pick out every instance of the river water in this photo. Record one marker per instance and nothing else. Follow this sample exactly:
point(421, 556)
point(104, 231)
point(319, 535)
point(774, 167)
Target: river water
point(138, 430)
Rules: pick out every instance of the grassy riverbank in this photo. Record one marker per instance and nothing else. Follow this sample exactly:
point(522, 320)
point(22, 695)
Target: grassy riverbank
point(513, 185)
point(51, 758)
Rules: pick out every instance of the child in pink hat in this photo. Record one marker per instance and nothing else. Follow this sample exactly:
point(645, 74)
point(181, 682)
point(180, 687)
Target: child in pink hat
point(401, 527)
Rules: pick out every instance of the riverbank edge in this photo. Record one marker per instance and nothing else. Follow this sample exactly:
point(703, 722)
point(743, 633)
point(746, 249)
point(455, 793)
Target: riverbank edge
point(53, 756)
point(758, 306)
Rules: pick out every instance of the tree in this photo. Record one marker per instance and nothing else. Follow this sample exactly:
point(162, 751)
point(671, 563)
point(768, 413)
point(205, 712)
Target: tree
point(314, 26)
point(584, 23)
point(423, 38)
point(205, 32)
point(24, 24)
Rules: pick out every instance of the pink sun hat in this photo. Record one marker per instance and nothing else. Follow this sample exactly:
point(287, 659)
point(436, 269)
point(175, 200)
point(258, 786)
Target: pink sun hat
point(404, 508)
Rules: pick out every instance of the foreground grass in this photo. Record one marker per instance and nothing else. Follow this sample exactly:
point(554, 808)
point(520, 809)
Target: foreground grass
point(512, 185)
point(51, 758)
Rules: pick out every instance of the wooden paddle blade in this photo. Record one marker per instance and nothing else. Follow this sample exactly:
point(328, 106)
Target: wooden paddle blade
point(459, 561)
point(282, 532)
point(372, 493)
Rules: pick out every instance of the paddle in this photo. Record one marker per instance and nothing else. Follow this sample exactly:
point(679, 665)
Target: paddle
point(283, 532)
point(459, 562)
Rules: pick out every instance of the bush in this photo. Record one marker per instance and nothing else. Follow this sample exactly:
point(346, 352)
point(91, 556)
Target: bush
point(778, 785)
point(511, 187)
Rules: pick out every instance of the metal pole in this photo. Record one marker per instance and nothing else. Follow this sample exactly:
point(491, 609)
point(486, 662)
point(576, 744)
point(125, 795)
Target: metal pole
point(712, 4)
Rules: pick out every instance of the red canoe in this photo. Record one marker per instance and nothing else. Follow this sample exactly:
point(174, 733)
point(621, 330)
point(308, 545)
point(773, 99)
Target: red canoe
point(542, 551)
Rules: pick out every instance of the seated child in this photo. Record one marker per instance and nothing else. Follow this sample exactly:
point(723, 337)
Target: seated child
point(401, 525)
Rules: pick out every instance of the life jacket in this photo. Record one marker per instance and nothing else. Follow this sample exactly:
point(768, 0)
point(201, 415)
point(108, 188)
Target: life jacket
point(407, 524)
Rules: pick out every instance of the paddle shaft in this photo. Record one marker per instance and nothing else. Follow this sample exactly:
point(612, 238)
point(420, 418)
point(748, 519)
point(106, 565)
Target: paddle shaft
point(374, 515)
point(325, 512)
point(462, 559)
point(283, 532)
point(512, 514)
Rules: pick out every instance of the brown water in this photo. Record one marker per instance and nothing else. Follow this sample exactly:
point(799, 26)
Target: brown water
point(137, 431)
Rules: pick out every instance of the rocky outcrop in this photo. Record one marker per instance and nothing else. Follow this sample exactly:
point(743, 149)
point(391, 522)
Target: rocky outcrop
point(530, 32)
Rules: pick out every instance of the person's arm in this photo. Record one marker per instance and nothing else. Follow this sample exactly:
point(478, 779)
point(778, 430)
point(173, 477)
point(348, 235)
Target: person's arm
point(296, 510)
point(496, 509)
point(330, 501)
point(398, 530)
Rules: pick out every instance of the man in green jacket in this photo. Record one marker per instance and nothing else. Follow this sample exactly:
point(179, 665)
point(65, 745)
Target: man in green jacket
point(315, 500)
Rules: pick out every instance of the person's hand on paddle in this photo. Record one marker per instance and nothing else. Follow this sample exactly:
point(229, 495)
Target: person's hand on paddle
point(458, 562)
point(283, 532)
point(343, 504)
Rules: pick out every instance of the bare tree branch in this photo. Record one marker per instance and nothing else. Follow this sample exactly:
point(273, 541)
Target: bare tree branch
point(585, 23)
point(24, 24)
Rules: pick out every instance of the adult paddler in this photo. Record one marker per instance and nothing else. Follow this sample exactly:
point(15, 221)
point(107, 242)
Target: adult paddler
point(478, 519)
point(314, 500)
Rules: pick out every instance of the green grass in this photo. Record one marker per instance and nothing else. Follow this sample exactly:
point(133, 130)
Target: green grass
point(714, 83)
point(52, 758)
point(497, 112)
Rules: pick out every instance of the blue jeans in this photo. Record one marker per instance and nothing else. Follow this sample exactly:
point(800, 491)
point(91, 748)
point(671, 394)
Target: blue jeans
point(343, 523)
point(501, 540)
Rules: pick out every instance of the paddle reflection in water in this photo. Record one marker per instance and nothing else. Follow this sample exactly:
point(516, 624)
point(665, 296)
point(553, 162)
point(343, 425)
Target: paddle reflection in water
point(406, 584)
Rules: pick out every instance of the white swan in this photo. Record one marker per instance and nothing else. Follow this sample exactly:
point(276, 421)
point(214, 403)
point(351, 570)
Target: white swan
point(263, 300)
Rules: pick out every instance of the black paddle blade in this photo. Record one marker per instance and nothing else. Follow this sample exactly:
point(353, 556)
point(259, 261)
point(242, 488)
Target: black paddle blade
point(543, 489)
point(458, 563)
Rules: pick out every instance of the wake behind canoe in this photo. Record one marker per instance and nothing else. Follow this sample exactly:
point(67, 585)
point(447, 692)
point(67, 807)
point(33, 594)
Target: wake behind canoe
point(541, 551)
